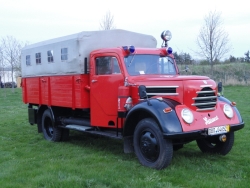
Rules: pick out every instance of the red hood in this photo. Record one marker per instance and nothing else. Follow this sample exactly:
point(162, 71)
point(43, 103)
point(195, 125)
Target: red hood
point(179, 88)
point(149, 78)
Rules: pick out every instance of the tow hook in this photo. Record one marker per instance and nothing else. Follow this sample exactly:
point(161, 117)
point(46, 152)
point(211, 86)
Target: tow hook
point(223, 138)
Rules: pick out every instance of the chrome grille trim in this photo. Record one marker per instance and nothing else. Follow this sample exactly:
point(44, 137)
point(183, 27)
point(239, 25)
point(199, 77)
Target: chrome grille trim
point(201, 104)
point(202, 98)
point(168, 94)
point(204, 109)
point(162, 86)
point(200, 92)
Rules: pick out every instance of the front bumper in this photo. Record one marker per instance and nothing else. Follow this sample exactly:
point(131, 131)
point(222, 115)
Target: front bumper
point(198, 133)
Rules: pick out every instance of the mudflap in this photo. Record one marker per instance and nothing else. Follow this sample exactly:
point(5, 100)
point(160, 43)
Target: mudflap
point(32, 113)
point(128, 144)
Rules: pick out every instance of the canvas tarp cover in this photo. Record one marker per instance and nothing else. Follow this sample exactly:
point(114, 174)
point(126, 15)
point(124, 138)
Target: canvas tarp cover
point(79, 46)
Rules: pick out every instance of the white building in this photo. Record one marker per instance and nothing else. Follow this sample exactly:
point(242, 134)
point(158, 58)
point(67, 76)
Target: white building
point(5, 74)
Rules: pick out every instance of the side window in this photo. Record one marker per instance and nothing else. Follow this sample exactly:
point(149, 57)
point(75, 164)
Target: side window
point(64, 54)
point(38, 58)
point(107, 65)
point(115, 68)
point(28, 60)
point(103, 65)
point(50, 56)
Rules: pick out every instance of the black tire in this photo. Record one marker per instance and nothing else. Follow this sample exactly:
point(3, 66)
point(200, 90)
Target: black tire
point(177, 147)
point(50, 131)
point(214, 145)
point(65, 135)
point(150, 147)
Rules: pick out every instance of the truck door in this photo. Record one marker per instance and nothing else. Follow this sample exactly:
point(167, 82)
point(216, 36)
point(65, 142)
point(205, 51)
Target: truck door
point(105, 79)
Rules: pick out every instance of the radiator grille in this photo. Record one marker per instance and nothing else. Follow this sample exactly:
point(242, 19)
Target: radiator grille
point(205, 100)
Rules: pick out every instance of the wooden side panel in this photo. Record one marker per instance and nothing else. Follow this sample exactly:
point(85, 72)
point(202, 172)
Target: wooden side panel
point(24, 93)
point(61, 91)
point(31, 92)
point(64, 91)
point(81, 95)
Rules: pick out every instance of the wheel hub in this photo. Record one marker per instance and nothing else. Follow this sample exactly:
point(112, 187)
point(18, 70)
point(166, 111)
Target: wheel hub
point(48, 127)
point(149, 146)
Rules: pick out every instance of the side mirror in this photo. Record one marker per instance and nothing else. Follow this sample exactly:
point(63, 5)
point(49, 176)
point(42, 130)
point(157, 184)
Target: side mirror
point(186, 69)
point(142, 92)
point(220, 87)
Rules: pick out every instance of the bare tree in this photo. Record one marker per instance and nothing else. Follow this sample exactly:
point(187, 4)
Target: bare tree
point(11, 54)
point(247, 58)
point(107, 23)
point(213, 41)
point(1, 67)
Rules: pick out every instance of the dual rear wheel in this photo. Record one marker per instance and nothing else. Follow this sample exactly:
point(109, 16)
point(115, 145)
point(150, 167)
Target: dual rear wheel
point(52, 132)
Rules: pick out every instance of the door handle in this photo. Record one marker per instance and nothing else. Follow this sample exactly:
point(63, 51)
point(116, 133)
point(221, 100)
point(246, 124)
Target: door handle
point(78, 80)
point(93, 81)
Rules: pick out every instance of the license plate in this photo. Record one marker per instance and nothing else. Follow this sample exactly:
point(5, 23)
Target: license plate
point(218, 130)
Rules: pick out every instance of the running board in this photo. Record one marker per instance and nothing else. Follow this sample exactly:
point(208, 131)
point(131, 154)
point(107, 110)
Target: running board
point(110, 134)
point(79, 127)
point(92, 130)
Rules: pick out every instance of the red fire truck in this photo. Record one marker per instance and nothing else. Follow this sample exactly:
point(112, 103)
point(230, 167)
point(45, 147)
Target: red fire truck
point(116, 83)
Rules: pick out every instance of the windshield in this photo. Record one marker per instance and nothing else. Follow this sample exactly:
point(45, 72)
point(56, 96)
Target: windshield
point(149, 64)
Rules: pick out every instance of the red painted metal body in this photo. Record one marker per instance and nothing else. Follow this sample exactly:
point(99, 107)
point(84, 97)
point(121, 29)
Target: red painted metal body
point(61, 91)
point(201, 120)
point(101, 94)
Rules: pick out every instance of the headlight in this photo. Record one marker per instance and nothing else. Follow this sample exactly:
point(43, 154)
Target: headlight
point(128, 105)
point(228, 111)
point(187, 116)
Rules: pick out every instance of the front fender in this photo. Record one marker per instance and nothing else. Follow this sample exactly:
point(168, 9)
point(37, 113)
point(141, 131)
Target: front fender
point(223, 99)
point(168, 122)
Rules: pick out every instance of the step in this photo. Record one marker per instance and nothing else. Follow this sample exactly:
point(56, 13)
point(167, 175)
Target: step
point(92, 130)
point(110, 134)
point(79, 127)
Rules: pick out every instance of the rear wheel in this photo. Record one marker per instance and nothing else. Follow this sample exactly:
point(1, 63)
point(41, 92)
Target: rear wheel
point(50, 131)
point(150, 147)
point(214, 145)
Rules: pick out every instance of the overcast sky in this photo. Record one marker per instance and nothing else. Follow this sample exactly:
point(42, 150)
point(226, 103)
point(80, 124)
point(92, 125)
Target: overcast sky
point(35, 21)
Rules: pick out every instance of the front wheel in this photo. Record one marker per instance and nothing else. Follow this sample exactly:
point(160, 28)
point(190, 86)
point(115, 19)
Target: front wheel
point(151, 148)
point(50, 131)
point(214, 145)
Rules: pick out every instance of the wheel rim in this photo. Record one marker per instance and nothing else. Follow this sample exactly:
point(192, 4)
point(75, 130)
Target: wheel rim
point(48, 126)
point(149, 146)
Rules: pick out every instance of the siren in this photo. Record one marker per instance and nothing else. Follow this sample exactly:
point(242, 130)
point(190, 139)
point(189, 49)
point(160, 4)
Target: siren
point(129, 49)
point(170, 50)
point(166, 51)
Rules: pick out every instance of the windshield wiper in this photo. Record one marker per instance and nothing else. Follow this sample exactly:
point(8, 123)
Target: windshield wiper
point(132, 59)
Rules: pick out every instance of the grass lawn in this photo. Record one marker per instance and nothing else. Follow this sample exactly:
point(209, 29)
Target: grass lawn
point(28, 160)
